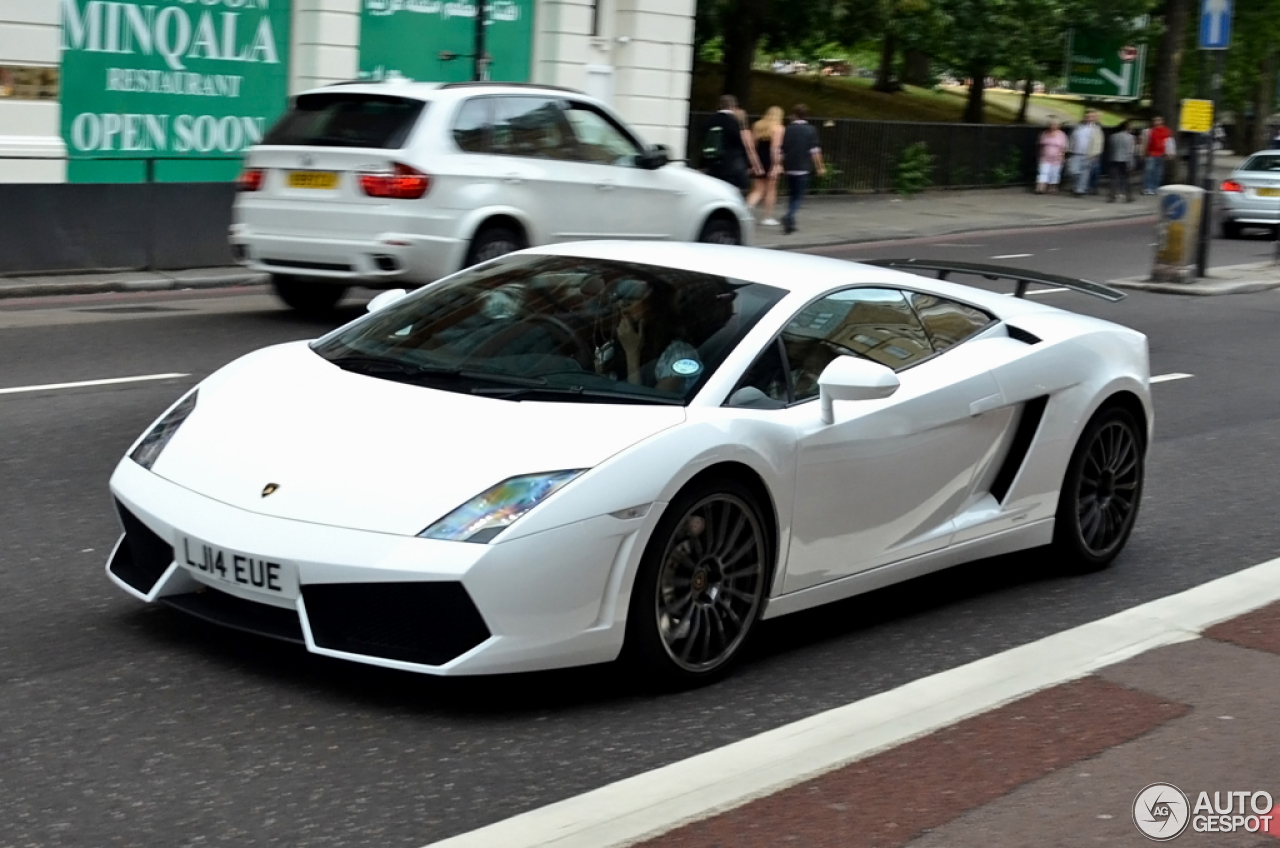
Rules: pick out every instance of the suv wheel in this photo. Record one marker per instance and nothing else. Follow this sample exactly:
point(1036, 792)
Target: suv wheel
point(492, 242)
point(720, 230)
point(1230, 230)
point(310, 297)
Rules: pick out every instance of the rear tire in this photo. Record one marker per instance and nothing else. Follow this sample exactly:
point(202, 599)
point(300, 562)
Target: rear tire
point(700, 586)
point(492, 242)
point(720, 230)
point(310, 297)
point(1230, 230)
point(1100, 495)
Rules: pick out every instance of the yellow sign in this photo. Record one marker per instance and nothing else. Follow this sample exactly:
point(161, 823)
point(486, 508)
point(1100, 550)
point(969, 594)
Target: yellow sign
point(1197, 116)
point(1173, 246)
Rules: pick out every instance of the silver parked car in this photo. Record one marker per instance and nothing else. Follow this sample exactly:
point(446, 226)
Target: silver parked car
point(1250, 197)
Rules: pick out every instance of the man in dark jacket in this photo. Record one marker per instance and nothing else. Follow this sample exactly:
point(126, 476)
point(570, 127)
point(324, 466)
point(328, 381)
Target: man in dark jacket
point(727, 149)
point(801, 157)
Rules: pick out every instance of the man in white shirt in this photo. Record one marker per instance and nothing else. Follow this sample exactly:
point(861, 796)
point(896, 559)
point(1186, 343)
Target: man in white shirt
point(1085, 147)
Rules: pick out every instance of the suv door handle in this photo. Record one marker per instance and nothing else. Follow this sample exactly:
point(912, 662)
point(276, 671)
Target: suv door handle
point(512, 178)
point(606, 185)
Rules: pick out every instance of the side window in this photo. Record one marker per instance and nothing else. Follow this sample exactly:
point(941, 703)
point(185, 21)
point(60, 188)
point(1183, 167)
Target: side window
point(764, 386)
point(473, 124)
point(946, 321)
point(599, 138)
point(876, 324)
point(532, 126)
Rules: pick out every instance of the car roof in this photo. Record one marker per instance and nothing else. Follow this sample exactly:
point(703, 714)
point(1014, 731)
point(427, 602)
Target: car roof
point(399, 87)
point(802, 273)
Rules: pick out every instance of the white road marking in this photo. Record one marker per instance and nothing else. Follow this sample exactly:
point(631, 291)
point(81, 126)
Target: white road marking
point(655, 802)
point(1013, 256)
point(1164, 378)
point(1031, 292)
point(111, 382)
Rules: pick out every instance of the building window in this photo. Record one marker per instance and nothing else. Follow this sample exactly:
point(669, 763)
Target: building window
point(595, 18)
point(20, 82)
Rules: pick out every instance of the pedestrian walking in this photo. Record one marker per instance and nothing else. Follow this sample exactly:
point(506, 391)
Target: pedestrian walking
point(1053, 149)
point(767, 132)
point(728, 153)
point(1157, 149)
point(801, 157)
point(1086, 150)
point(1119, 159)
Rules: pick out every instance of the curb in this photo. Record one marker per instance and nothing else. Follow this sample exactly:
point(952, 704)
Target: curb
point(651, 803)
point(143, 282)
point(1228, 279)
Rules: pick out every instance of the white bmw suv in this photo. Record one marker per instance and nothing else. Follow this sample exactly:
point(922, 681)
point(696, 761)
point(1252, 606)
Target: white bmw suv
point(400, 183)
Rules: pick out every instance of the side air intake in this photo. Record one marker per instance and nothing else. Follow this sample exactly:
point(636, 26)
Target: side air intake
point(1028, 424)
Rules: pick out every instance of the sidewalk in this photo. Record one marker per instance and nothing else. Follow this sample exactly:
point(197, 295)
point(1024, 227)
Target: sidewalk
point(824, 221)
point(1053, 743)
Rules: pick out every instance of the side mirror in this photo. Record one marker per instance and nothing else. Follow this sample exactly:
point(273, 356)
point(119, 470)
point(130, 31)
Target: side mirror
point(851, 378)
point(385, 299)
point(654, 158)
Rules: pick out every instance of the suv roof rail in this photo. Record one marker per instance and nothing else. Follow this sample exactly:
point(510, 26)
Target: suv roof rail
point(496, 84)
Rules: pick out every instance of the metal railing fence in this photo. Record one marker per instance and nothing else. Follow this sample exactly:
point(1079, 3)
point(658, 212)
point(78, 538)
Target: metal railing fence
point(863, 155)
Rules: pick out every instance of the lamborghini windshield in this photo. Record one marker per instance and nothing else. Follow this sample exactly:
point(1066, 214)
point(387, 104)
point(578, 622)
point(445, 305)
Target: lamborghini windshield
point(557, 328)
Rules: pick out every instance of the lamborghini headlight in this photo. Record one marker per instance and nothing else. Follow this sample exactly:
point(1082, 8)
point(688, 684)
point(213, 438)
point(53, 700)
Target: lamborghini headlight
point(488, 514)
point(149, 449)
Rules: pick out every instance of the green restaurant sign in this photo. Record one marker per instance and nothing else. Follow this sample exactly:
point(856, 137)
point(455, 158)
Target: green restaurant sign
point(188, 84)
point(434, 40)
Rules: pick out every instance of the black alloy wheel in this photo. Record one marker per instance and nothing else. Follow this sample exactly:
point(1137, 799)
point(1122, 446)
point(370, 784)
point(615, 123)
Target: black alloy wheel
point(720, 230)
point(701, 584)
point(310, 297)
point(1102, 491)
point(492, 242)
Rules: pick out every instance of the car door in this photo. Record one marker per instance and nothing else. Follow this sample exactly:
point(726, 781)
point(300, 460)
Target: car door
point(884, 481)
point(536, 160)
point(634, 202)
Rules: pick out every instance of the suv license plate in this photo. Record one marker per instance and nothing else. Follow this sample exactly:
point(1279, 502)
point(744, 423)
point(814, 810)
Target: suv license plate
point(260, 574)
point(313, 179)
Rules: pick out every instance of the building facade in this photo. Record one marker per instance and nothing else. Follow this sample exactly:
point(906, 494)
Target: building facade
point(174, 90)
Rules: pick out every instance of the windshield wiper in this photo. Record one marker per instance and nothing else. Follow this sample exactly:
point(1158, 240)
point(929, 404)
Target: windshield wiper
point(504, 393)
point(367, 363)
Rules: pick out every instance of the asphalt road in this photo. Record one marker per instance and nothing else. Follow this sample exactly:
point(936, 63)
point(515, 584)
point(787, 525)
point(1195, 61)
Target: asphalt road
point(126, 725)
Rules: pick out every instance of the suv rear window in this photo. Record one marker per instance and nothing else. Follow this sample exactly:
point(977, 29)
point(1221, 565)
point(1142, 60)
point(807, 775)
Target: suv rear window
point(346, 119)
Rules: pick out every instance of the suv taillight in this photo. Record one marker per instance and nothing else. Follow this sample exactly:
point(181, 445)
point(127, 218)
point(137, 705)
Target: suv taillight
point(1232, 185)
point(250, 179)
point(401, 183)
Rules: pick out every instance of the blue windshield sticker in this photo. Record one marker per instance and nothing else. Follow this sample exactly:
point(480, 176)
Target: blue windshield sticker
point(686, 367)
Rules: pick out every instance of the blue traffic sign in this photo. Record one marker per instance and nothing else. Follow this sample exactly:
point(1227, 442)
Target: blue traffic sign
point(1173, 207)
point(1215, 24)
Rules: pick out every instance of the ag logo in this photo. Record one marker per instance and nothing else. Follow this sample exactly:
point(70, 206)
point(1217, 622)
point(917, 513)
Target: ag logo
point(1161, 812)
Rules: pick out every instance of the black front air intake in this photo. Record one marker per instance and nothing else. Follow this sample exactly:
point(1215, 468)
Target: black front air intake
point(143, 557)
point(247, 616)
point(425, 623)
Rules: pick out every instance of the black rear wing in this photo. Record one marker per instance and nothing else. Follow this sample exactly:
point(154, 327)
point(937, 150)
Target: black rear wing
point(1022, 277)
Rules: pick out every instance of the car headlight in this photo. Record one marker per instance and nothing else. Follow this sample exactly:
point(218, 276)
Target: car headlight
point(488, 514)
point(148, 450)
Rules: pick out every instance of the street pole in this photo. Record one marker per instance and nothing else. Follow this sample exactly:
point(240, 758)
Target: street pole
point(481, 61)
point(1206, 213)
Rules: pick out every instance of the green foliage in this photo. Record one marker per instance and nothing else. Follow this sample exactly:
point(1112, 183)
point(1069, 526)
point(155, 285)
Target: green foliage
point(830, 180)
point(1008, 171)
point(914, 171)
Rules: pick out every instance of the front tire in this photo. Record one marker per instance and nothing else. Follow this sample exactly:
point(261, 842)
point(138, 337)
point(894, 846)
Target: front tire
point(310, 297)
point(1101, 492)
point(700, 586)
point(720, 230)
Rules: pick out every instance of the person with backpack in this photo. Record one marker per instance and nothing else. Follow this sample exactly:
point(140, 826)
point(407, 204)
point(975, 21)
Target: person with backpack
point(728, 151)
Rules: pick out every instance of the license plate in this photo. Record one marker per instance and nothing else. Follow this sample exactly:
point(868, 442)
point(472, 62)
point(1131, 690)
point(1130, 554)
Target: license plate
point(313, 179)
point(1269, 192)
point(257, 573)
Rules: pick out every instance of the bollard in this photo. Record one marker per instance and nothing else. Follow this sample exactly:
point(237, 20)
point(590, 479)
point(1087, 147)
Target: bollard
point(1177, 233)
